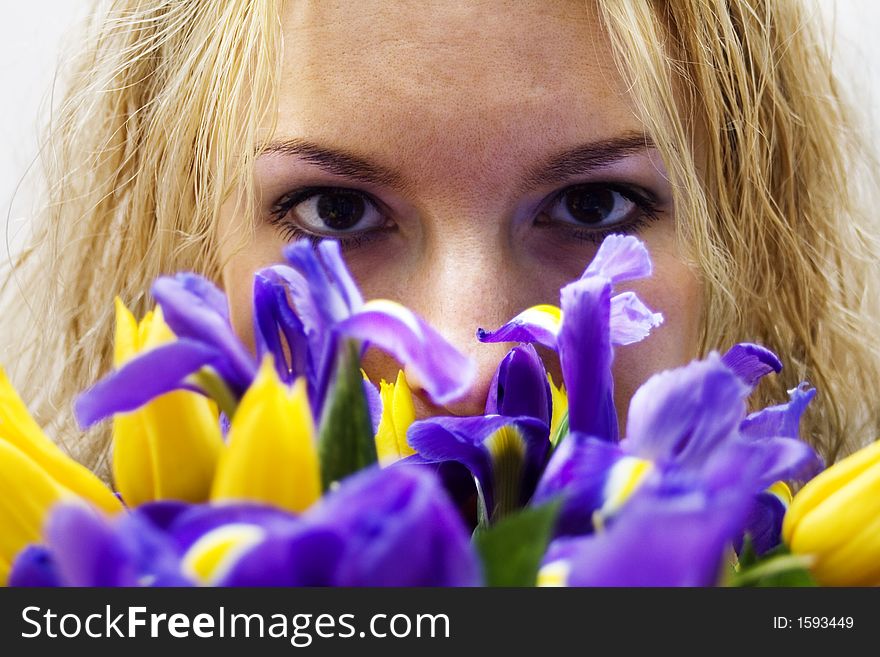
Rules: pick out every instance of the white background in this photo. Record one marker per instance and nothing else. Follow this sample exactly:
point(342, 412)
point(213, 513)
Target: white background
point(34, 33)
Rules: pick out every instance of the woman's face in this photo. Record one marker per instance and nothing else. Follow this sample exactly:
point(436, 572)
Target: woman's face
point(470, 157)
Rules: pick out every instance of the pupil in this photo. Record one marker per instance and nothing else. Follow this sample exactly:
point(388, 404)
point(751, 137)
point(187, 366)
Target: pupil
point(589, 206)
point(340, 210)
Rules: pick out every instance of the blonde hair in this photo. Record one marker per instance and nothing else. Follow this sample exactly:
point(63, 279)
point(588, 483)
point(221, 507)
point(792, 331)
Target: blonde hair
point(139, 156)
point(168, 100)
point(769, 202)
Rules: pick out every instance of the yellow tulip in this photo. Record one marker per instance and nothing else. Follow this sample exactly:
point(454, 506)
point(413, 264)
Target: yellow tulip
point(835, 519)
point(559, 400)
point(398, 413)
point(168, 448)
point(271, 457)
point(35, 474)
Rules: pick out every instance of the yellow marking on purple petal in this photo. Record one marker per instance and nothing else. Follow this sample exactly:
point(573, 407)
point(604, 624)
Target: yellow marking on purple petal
point(554, 574)
point(544, 316)
point(211, 557)
point(623, 480)
point(782, 492)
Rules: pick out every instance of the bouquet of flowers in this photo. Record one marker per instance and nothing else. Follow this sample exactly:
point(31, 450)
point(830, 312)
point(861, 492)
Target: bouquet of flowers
point(288, 467)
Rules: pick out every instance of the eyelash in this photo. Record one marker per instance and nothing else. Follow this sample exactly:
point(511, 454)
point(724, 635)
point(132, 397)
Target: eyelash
point(290, 232)
point(648, 211)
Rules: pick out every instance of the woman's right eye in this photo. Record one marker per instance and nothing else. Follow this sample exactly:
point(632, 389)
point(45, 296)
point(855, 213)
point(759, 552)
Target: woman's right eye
point(328, 212)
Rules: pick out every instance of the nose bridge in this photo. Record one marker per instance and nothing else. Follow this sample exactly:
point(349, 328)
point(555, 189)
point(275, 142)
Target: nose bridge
point(466, 284)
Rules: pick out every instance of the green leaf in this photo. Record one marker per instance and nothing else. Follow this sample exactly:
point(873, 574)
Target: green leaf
point(345, 441)
point(512, 549)
point(747, 555)
point(778, 568)
point(561, 431)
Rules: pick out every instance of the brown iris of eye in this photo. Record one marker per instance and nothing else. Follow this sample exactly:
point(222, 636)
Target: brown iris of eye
point(589, 205)
point(340, 210)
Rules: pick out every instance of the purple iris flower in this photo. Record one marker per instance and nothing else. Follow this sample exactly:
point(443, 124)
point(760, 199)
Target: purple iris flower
point(686, 428)
point(660, 540)
point(520, 386)
point(592, 319)
point(504, 455)
point(689, 479)
point(392, 527)
point(302, 312)
point(330, 308)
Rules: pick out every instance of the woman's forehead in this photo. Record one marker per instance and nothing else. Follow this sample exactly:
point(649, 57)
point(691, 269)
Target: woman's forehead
point(495, 80)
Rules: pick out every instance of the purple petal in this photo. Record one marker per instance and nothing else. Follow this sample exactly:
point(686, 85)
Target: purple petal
point(531, 325)
point(299, 557)
point(772, 438)
point(374, 404)
point(782, 420)
point(198, 520)
point(190, 308)
point(310, 311)
point(277, 329)
point(330, 294)
point(142, 379)
point(457, 480)
point(400, 530)
point(750, 362)
point(578, 473)
point(34, 567)
point(782, 459)
point(463, 440)
point(655, 541)
point(520, 386)
point(459, 439)
point(443, 372)
point(208, 293)
point(682, 416)
point(585, 354)
point(87, 551)
point(764, 523)
point(631, 320)
point(620, 258)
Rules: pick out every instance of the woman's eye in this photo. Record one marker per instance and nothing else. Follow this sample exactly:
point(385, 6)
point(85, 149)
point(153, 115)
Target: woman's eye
point(596, 206)
point(329, 211)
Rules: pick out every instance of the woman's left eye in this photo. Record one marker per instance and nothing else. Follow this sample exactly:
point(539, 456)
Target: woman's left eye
point(597, 206)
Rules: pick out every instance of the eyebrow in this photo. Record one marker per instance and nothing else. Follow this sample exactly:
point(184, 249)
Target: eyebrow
point(335, 161)
point(556, 169)
point(585, 158)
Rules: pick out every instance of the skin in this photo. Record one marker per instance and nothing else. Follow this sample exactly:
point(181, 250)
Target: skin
point(458, 103)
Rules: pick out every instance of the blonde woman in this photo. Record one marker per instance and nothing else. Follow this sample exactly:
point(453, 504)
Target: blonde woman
point(470, 157)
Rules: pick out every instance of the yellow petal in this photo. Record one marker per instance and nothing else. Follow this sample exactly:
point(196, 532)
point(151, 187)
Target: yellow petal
point(559, 398)
point(132, 464)
point(404, 414)
point(398, 413)
point(125, 341)
point(826, 483)
point(854, 562)
point(271, 456)
point(834, 530)
point(28, 493)
point(19, 429)
point(386, 439)
point(167, 449)
point(153, 331)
